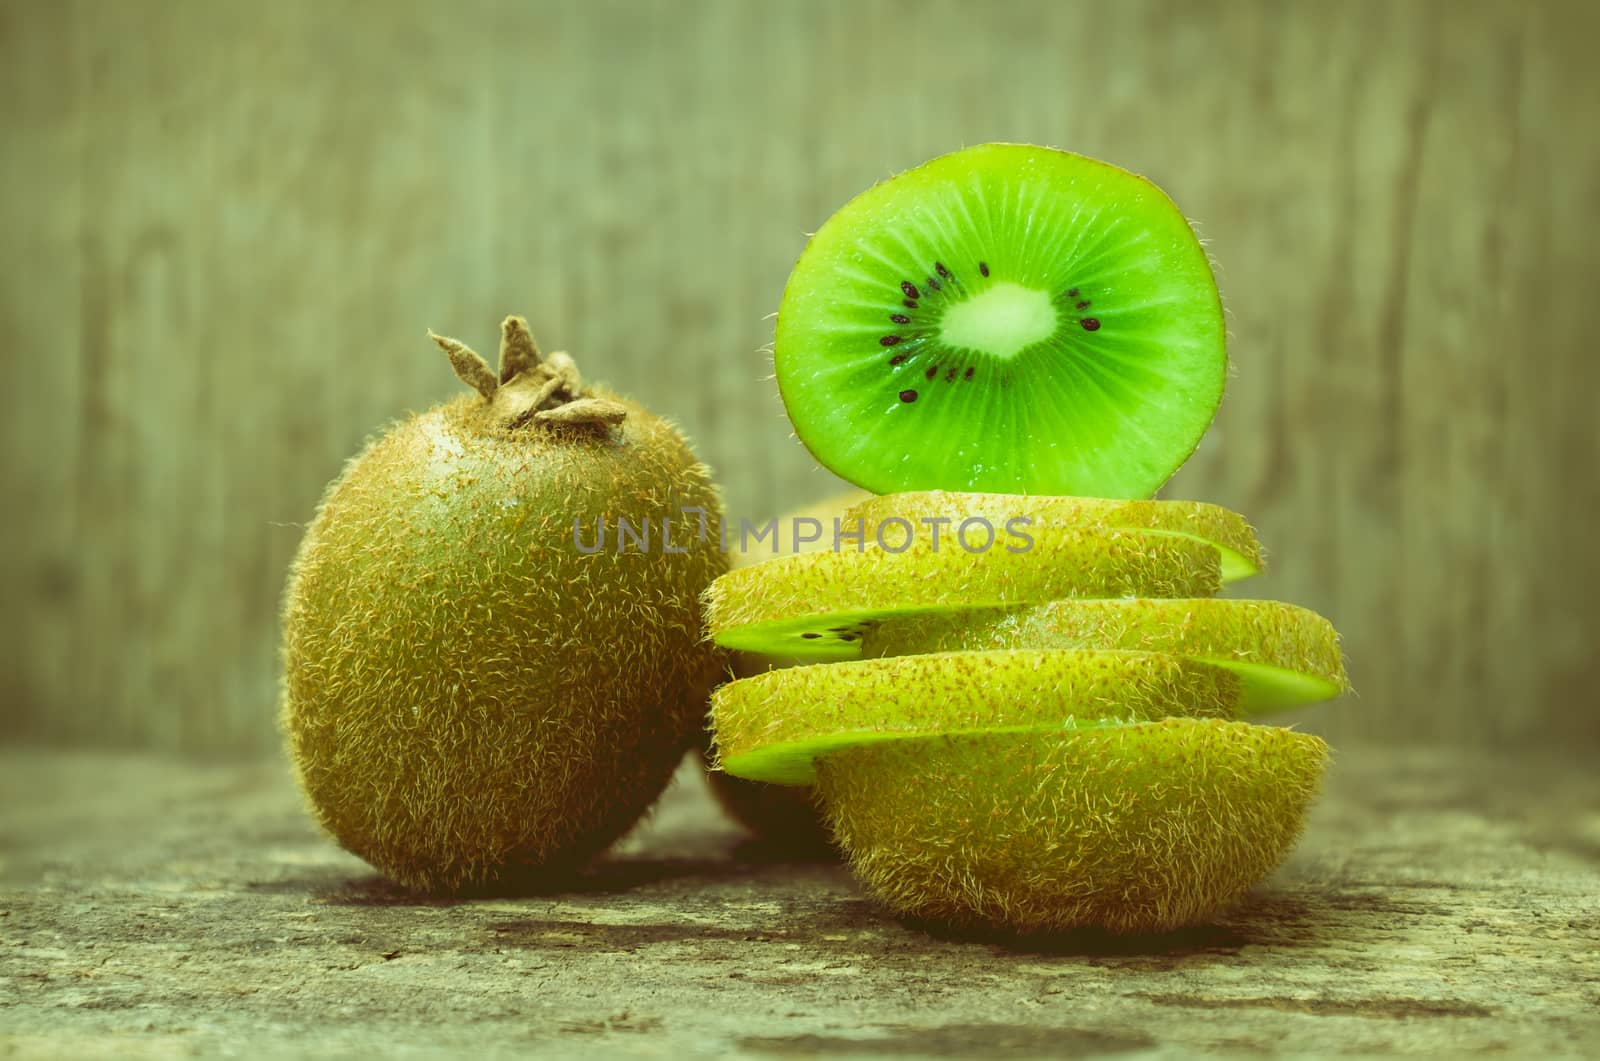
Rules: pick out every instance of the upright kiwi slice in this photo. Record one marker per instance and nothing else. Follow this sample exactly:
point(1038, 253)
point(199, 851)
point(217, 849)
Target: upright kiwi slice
point(1003, 318)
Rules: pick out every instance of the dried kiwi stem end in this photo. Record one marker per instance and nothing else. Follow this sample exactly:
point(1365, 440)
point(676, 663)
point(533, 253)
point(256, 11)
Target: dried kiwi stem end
point(530, 388)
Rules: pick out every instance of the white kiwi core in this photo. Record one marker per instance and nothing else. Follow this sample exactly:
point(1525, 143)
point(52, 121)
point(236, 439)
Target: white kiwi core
point(1001, 321)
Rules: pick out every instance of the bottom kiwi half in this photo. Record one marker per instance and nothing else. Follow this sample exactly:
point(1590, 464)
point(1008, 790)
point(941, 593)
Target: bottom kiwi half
point(1133, 828)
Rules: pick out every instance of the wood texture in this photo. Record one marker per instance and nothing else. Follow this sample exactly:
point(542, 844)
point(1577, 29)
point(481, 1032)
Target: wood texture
point(227, 226)
point(1441, 905)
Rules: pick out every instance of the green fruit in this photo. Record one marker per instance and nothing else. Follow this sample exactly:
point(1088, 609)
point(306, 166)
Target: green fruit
point(472, 700)
point(1285, 656)
point(818, 605)
point(1027, 745)
point(776, 726)
point(785, 814)
point(1140, 828)
point(1003, 318)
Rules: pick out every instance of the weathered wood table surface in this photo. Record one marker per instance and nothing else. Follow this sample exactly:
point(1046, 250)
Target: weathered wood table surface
point(1440, 903)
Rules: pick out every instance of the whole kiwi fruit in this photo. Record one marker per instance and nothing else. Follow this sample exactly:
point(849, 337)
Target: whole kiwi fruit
point(492, 654)
point(785, 817)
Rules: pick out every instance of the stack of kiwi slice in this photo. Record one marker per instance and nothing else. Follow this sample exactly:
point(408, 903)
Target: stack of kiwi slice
point(1019, 699)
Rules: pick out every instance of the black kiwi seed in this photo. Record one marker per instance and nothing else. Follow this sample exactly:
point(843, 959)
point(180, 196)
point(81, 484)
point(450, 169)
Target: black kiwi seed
point(933, 370)
point(900, 318)
point(909, 304)
point(888, 340)
point(983, 267)
point(848, 637)
point(931, 282)
point(1084, 304)
point(898, 359)
point(910, 289)
point(908, 396)
point(968, 373)
point(948, 376)
point(1090, 324)
point(838, 629)
point(810, 636)
point(1072, 292)
point(939, 268)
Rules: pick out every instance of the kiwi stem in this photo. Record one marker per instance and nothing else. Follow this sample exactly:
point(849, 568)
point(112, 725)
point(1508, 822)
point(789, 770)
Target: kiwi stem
point(549, 391)
point(544, 396)
point(596, 411)
point(469, 365)
point(546, 389)
point(566, 370)
point(518, 351)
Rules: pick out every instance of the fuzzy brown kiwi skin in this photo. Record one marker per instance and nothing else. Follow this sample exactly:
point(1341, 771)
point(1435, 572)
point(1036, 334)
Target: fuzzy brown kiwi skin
point(471, 703)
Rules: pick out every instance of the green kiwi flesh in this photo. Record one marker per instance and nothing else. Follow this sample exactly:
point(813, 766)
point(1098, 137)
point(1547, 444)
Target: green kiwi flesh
point(1137, 828)
point(1003, 318)
point(1284, 655)
point(774, 726)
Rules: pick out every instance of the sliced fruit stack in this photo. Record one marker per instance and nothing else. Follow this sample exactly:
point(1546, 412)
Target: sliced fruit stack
point(1044, 719)
point(1034, 739)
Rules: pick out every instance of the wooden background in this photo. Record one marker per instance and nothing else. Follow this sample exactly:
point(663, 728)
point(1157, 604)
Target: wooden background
point(226, 226)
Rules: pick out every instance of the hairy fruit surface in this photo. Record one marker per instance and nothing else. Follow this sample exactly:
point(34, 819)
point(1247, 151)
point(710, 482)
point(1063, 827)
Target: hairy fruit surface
point(470, 699)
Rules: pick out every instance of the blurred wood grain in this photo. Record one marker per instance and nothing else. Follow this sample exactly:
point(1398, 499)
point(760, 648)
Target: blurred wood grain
point(227, 226)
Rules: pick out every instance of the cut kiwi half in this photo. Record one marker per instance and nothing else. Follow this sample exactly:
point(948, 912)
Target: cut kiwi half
point(819, 605)
point(1136, 828)
point(954, 512)
point(1284, 655)
point(1003, 318)
point(774, 726)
